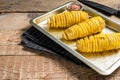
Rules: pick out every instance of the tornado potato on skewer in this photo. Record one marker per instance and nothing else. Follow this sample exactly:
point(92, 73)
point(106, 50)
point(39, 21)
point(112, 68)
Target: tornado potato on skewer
point(67, 19)
point(99, 43)
point(85, 28)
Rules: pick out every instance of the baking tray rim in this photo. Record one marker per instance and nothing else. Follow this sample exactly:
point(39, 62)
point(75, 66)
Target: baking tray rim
point(74, 53)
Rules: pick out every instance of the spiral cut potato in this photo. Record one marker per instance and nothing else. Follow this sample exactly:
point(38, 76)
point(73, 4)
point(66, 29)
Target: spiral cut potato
point(67, 19)
point(85, 28)
point(99, 43)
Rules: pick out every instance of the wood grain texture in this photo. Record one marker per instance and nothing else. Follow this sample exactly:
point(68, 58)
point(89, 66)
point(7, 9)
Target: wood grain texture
point(42, 5)
point(44, 67)
point(20, 63)
point(30, 5)
point(16, 21)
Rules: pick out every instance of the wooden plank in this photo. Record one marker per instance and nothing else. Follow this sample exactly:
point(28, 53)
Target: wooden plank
point(42, 5)
point(30, 5)
point(16, 21)
point(10, 44)
point(10, 37)
point(47, 68)
point(18, 50)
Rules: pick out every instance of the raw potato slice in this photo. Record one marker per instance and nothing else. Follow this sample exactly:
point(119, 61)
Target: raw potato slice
point(99, 43)
point(85, 28)
point(67, 19)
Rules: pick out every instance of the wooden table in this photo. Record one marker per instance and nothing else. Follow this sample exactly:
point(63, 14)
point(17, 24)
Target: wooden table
point(21, 63)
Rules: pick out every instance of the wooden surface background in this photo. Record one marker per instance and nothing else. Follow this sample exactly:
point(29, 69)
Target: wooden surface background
point(21, 63)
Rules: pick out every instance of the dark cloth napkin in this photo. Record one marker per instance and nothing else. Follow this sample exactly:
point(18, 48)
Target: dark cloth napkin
point(35, 39)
